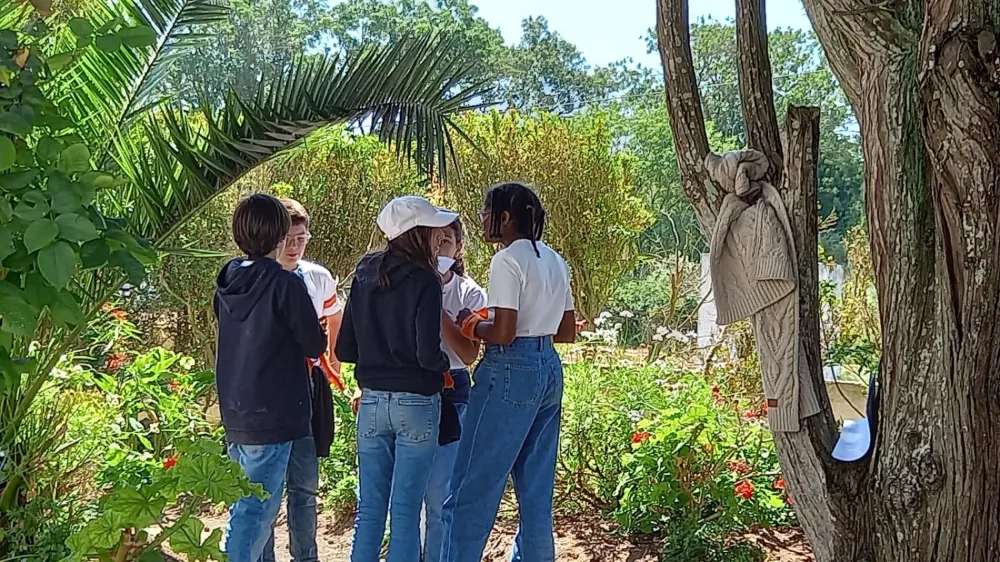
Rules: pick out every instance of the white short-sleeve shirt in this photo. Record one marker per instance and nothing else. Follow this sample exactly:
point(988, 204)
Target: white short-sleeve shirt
point(457, 294)
point(322, 286)
point(536, 286)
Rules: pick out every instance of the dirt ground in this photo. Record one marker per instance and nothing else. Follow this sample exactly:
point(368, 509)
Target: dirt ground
point(577, 540)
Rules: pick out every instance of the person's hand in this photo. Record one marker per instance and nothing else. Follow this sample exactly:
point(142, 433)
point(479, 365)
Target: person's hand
point(356, 401)
point(462, 315)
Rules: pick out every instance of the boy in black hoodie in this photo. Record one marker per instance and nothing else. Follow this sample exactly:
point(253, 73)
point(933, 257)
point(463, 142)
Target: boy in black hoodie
point(267, 330)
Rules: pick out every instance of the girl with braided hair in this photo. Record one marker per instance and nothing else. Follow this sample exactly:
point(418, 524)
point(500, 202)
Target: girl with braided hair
point(511, 426)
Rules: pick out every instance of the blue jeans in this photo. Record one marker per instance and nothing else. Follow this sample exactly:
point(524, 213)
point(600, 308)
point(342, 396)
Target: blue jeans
point(250, 518)
point(438, 489)
point(397, 440)
point(511, 429)
point(303, 483)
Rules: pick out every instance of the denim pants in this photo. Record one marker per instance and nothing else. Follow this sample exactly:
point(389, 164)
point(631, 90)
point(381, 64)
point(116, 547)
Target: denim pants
point(511, 429)
point(303, 483)
point(250, 518)
point(438, 489)
point(397, 440)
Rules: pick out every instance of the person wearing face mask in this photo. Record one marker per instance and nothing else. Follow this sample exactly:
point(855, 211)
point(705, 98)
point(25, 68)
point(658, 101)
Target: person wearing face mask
point(459, 292)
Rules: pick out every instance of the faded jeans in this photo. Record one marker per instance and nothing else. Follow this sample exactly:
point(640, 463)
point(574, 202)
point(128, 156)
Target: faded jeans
point(251, 518)
point(438, 489)
point(397, 440)
point(303, 483)
point(511, 429)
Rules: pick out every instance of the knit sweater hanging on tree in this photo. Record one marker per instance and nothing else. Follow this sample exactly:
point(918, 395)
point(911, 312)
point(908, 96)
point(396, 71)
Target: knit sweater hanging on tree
point(754, 274)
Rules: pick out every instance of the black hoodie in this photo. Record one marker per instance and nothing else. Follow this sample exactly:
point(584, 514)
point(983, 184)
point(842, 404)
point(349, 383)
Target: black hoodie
point(393, 334)
point(267, 330)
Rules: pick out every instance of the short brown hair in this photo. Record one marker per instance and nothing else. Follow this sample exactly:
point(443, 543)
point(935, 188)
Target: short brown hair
point(296, 211)
point(260, 223)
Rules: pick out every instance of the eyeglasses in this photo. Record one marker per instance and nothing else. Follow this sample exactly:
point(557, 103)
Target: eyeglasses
point(483, 215)
point(300, 240)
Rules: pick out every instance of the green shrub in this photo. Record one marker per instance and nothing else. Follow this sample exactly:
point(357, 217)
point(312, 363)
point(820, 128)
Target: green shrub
point(196, 473)
point(660, 298)
point(662, 450)
point(593, 217)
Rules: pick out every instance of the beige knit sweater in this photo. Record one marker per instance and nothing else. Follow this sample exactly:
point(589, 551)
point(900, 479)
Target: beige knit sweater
point(753, 269)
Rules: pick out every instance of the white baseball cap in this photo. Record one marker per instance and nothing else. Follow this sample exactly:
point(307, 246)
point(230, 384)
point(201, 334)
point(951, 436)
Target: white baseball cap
point(407, 212)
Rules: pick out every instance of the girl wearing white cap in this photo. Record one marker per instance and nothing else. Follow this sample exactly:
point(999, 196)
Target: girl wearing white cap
point(391, 331)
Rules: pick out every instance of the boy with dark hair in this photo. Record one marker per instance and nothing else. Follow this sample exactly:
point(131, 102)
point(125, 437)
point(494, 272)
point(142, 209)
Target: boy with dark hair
point(303, 464)
point(267, 329)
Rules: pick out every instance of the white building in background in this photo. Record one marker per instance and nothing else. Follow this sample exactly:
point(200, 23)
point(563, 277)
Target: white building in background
point(709, 331)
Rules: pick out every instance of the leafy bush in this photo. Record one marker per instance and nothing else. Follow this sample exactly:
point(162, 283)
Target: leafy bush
point(197, 473)
point(594, 217)
point(662, 450)
point(660, 298)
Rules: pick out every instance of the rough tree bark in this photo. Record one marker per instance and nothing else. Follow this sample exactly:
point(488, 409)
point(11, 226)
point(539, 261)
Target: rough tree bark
point(922, 77)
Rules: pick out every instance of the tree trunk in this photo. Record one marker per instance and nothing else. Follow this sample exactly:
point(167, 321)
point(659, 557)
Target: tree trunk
point(922, 78)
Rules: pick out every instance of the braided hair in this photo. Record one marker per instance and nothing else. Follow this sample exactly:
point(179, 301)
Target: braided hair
point(525, 210)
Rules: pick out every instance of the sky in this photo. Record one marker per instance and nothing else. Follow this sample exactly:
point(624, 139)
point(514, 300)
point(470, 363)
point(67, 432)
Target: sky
point(607, 31)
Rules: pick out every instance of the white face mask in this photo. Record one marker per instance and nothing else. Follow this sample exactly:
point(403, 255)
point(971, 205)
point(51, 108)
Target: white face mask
point(444, 264)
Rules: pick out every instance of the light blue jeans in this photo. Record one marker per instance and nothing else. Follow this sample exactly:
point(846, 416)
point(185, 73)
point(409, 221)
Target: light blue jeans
point(438, 489)
point(303, 483)
point(511, 429)
point(250, 518)
point(397, 440)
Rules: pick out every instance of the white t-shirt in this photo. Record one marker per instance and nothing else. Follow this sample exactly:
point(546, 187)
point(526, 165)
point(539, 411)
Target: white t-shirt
point(537, 287)
point(322, 286)
point(457, 294)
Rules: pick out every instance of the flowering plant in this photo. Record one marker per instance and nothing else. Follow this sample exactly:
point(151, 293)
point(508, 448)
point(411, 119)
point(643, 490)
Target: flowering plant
point(697, 463)
point(197, 474)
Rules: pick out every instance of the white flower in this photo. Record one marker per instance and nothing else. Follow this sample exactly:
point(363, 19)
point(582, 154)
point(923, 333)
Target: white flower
point(662, 330)
point(588, 335)
point(657, 337)
point(154, 427)
point(677, 336)
point(627, 314)
point(599, 320)
point(605, 315)
point(634, 415)
point(618, 326)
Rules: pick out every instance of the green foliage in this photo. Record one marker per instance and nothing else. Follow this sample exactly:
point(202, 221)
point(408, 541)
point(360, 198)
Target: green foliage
point(663, 450)
point(593, 218)
point(198, 473)
point(659, 298)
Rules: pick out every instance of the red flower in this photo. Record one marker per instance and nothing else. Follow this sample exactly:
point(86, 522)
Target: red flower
point(763, 408)
point(744, 489)
point(715, 389)
point(169, 463)
point(779, 484)
point(115, 362)
point(739, 467)
point(119, 315)
point(641, 436)
point(751, 415)
point(174, 385)
point(788, 500)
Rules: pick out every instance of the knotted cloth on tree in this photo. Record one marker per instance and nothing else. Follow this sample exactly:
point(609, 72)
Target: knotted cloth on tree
point(754, 274)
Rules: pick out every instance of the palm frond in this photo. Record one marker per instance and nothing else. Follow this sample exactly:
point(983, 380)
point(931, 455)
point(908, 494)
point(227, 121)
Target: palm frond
point(105, 92)
point(408, 91)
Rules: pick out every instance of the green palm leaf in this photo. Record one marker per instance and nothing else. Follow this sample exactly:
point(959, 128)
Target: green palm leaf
point(105, 92)
point(407, 91)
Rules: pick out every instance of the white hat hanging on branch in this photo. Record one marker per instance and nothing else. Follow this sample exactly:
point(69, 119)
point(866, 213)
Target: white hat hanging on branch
point(754, 274)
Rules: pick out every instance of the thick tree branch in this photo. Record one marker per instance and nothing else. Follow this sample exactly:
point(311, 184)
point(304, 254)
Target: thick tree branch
point(756, 89)
point(687, 122)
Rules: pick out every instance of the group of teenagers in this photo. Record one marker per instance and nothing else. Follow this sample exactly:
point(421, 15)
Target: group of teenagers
point(434, 442)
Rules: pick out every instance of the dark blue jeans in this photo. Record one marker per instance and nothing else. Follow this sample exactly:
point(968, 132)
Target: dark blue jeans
point(511, 428)
point(303, 482)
